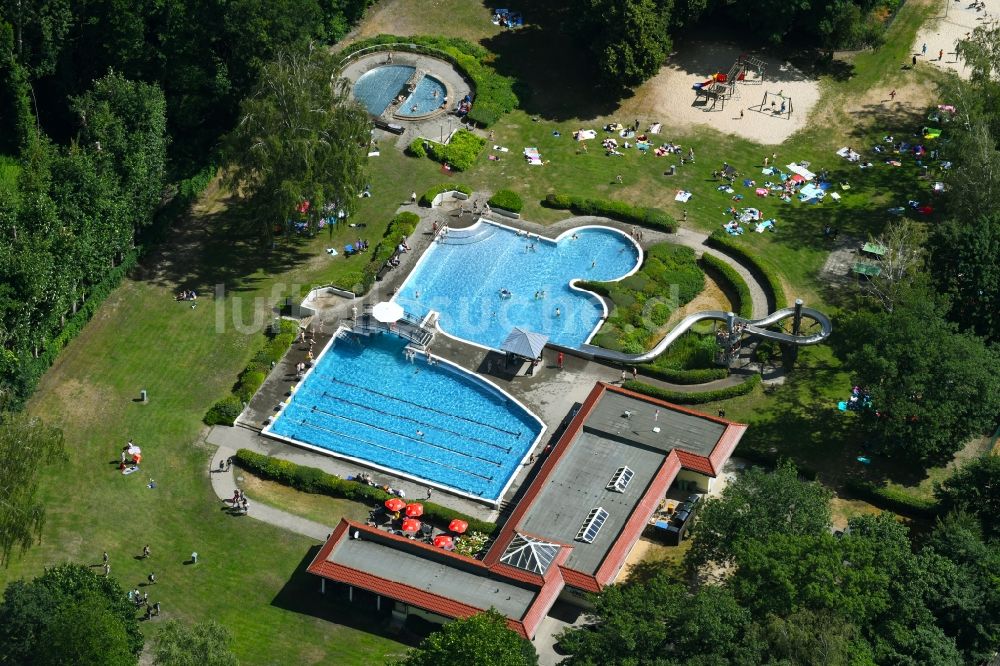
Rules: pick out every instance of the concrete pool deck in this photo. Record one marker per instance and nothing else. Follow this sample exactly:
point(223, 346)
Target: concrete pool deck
point(551, 393)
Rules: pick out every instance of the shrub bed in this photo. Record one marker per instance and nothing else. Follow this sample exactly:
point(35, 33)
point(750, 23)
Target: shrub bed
point(731, 282)
point(494, 93)
point(507, 200)
point(460, 153)
point(226, 410)
point(616, 210)
point(683, 398)
point(644, 301)
point(427, 198)
point(761, 268)
point(313, 480)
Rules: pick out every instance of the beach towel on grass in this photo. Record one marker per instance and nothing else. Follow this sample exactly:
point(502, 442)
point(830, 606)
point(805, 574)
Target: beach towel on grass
point(682, 196)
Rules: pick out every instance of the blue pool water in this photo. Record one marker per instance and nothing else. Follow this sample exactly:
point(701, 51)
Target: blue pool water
point(366, 401)
point(428, 95)
point(462, 275)
point(376, 88)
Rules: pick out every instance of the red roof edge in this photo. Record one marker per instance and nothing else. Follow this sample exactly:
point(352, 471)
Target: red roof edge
point(694, 462)
point(616, 556)
point(726, 445)
point(572, 429)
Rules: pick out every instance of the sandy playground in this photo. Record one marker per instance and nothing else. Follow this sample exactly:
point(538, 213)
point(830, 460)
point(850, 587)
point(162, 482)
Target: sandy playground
point(669, 98)
point(953, 21)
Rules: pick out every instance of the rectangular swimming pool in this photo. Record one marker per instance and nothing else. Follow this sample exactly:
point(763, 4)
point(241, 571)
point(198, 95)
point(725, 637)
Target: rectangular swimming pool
point(433, 423)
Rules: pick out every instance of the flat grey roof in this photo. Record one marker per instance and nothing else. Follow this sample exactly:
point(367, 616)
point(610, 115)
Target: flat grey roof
point(678, 430)
point(577, 485)
point(421, 570)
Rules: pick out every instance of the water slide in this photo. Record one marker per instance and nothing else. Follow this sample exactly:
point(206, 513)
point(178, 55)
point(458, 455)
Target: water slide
point(755, 327)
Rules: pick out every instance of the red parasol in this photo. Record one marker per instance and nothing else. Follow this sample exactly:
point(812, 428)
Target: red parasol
point(394, 504)
point(411, 525)
point(443, 541)
point(415, 509)
point(458, 526)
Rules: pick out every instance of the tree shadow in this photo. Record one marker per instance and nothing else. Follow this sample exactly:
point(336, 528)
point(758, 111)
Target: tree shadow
point(205, 249)
point(553, 72)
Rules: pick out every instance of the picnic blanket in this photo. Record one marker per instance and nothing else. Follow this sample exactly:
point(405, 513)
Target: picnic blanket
point(848, 154)
point(810, 191)
point(682, 196)
point(583, 135)
point(800, 170)
point(502, 149)
point(763, 226)
point(761, 191)
point(533, 156)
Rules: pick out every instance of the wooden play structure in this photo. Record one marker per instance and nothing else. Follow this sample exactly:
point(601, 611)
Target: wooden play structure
point(720, 87)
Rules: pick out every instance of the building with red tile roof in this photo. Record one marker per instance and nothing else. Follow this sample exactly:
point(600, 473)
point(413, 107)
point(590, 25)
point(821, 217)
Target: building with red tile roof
point(570, 531)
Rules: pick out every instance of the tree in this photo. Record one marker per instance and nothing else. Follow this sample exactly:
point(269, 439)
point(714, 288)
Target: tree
point(903, 243)
point(201, 645)
point(84, 633)
point(974, 488)
point(808, 637)
point(25, 445)
point(660, 619)
point(628, 38)
point(480, 640)
point(965, 258)
point(870, 577)
point(932, 387)
point(758, 503)
point(959, 574)
point(32, 610)
point(124, 133)
point(299, 139)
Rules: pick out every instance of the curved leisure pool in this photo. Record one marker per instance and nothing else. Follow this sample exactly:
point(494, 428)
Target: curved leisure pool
point(461, 277)
point(437, 424)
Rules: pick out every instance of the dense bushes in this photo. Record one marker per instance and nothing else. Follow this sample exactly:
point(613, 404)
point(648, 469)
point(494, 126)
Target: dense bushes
point(617, 210)
point(399, 227)
point(507, 200)
point(226, 410)
point(416, 148)
point(760, 267)
point(731, 283)
point(313, 480)
point(460, 152)
point(494, 93)
point(694, 398)
point(427, 198)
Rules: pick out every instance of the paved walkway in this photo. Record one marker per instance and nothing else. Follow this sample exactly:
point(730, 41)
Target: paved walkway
point(224, 483)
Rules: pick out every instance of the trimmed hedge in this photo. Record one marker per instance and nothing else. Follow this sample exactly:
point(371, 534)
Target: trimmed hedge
point(685, 377)
point(732, 280)
point(416, 148)
point(762, 268)
point(683, 398)
point(891, 499)
point(507, 200)
point(427, 198)
point(494, 93)
point(226, 410)
point(616, 210)
point(460, 152)
point(313, 480)
point(400, 226)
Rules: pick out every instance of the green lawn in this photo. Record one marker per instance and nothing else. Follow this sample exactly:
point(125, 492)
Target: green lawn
point(320, 508)
point(250, 577)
